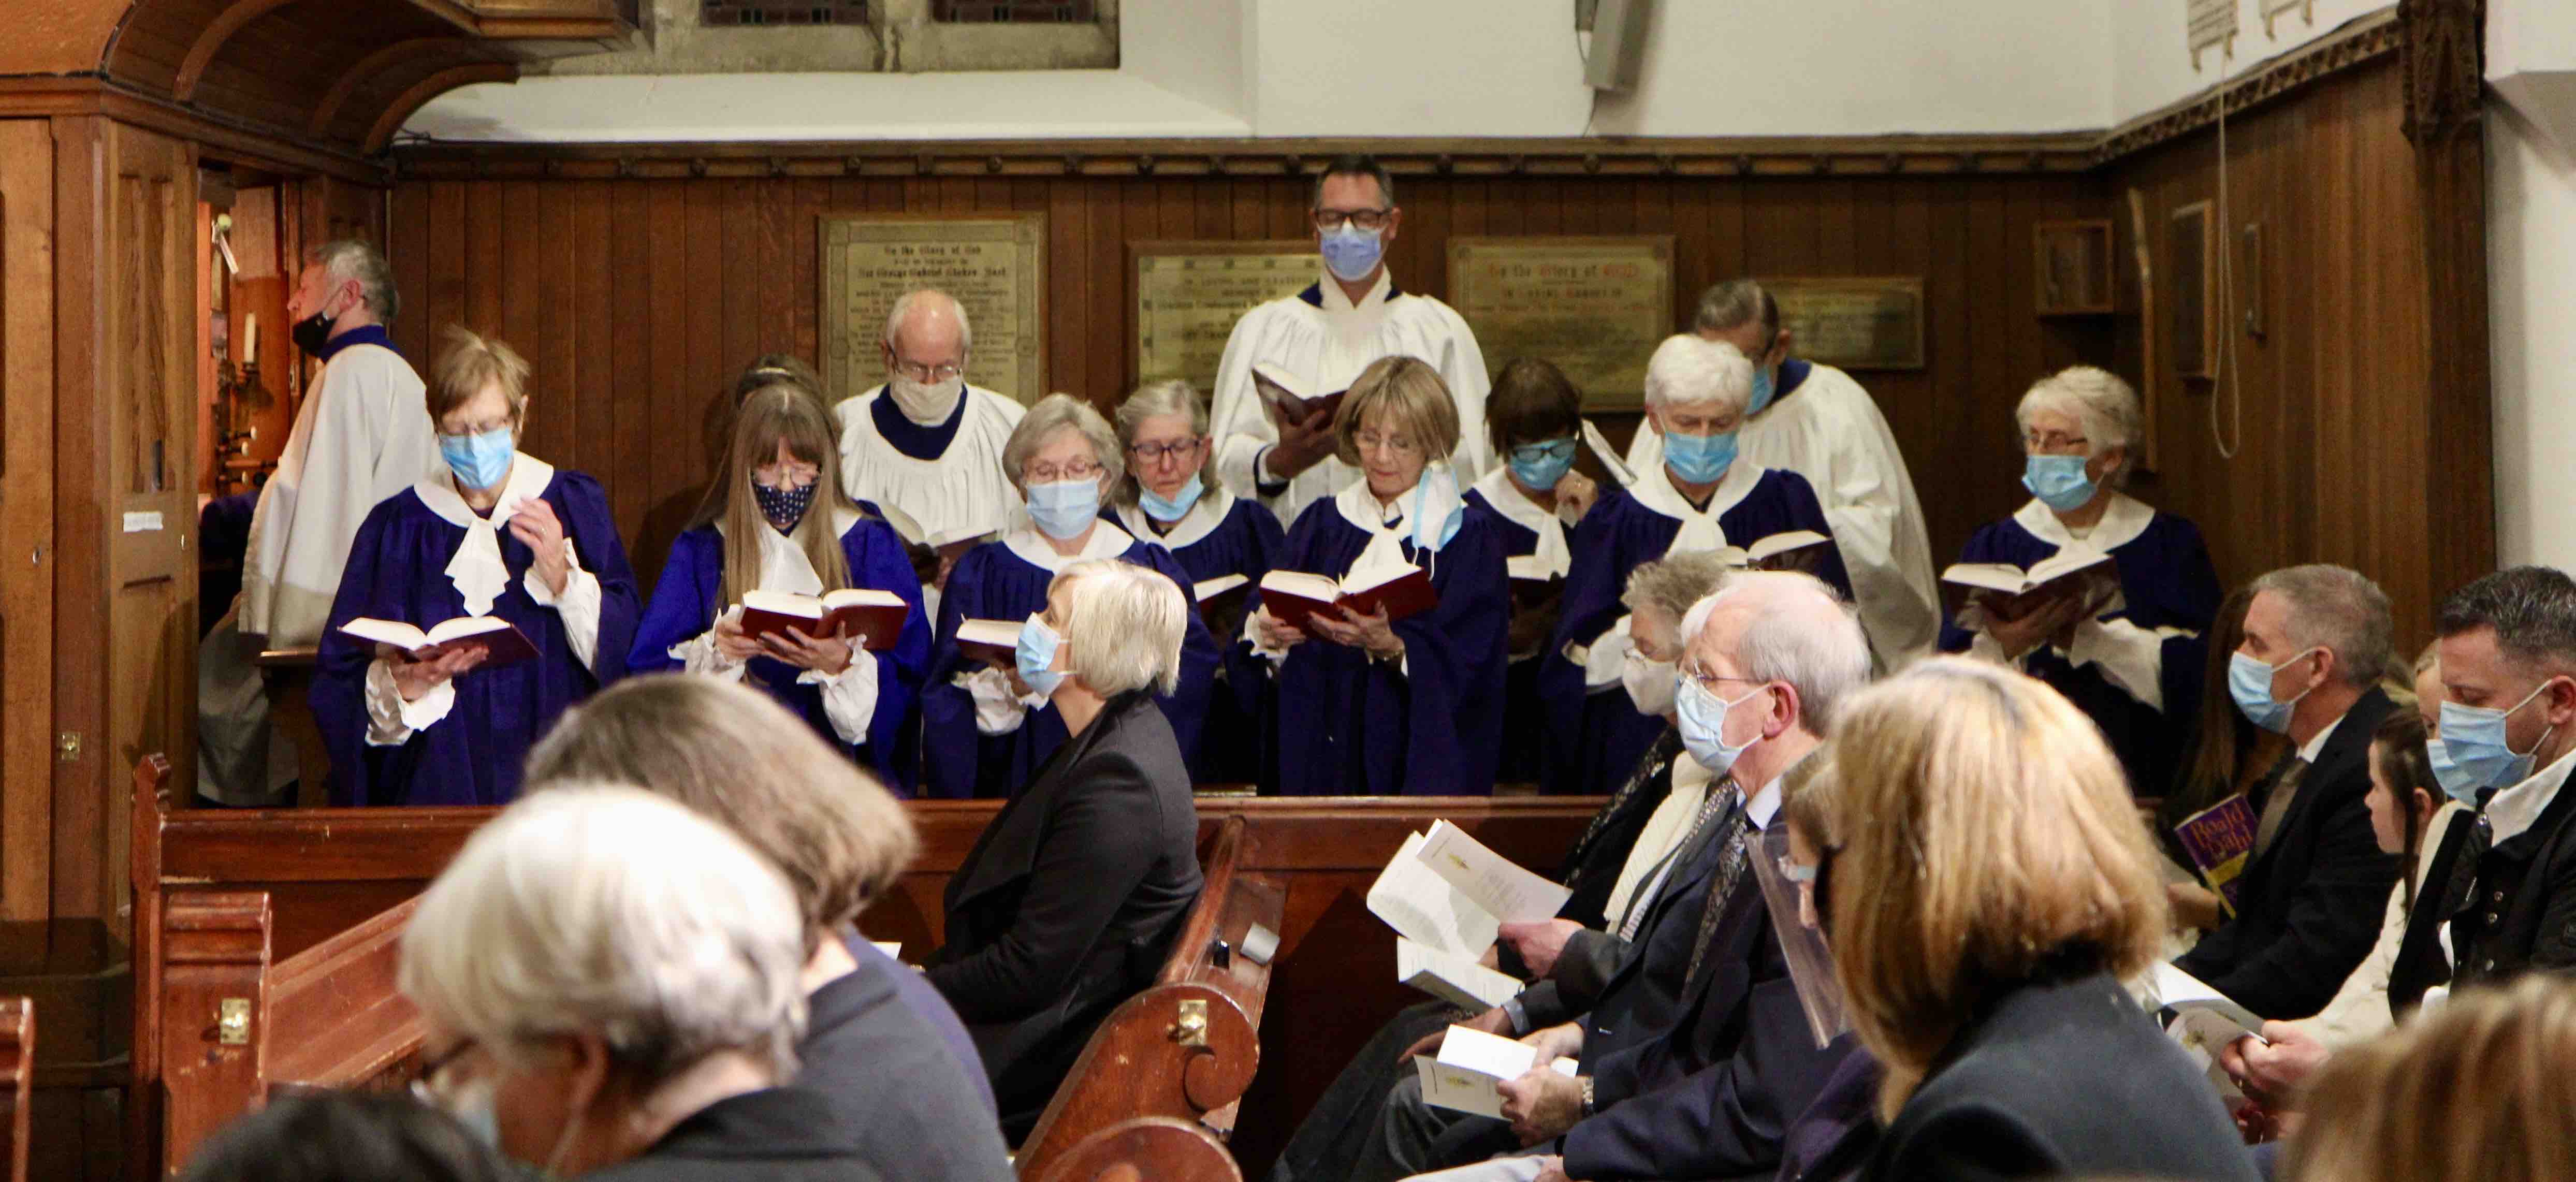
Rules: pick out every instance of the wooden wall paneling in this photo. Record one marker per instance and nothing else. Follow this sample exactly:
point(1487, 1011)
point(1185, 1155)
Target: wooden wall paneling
point(586, 255)
point(81, 578)
point(26, 518)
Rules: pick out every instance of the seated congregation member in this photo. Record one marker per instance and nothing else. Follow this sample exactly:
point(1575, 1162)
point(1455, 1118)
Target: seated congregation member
point(1368, 705)
point(1642, 827)
point(1534, 419)
point(2132, 664)
point(1814, 420)
point(497, 534)
point(347, 1137)
point(1992, 890)
point(2478, 1089)
point(780, 521)
point(2309, 899)
point(879, 1040)
point(1702, 498)
point(985, 729)
point(1173, 499)
point(1838, 1132)
point(926, 447)
point(2228, 753)
point(1693, 1049)
point(1071, 898)
point(611, 988)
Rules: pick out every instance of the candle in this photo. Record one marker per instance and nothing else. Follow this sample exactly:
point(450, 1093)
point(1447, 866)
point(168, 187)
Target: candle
point(250, 338)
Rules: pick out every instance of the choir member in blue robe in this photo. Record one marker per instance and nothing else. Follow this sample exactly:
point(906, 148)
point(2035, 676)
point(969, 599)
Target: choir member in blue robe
point(983, 732)
point(1702, 498)
point(777, 520)
point(499, 534)
point(1365, 705)
point(1174, 499)
point(2133, 663)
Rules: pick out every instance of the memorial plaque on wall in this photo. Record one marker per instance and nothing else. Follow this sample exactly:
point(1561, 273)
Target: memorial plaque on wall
point(1187, 296)
point(1853, 323)
point(995, 264)
point(1596, 307)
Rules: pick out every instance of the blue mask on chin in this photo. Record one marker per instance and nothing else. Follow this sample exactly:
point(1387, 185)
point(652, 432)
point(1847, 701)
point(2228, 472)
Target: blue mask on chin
point(2059, 482)
point(1036, 651)
point(1541, 465)
point(1699, 459)
point(479, 461)
point(1173, 509)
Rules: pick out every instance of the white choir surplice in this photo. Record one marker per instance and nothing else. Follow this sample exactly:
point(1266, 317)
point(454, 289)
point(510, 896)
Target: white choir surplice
point(1826, 428)
point(960, 493)
point(1320, 334)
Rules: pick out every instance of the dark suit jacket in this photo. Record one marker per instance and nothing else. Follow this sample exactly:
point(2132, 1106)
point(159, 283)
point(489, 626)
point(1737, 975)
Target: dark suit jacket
point(775, 1135)
point(912, 1108)
point(1067, 903)
point(2057, 1079)
point(2520, 913)
point(2309, 908)
point(1639, 995)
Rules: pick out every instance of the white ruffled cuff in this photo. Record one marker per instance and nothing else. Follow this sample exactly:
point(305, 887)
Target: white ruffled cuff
point(1252, 636)
point(997, 710)
point(1606, 658)
point(578, 605)
point(391, 721)
point(849, 699)
point(698, 654)
point(1983, 646)
point(2129, 657)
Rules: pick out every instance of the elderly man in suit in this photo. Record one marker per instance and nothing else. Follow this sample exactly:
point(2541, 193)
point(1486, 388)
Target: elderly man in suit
point(2317, 638)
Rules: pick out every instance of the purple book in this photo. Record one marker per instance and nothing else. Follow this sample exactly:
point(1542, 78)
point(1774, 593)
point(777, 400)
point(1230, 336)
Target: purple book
point(2219, 839)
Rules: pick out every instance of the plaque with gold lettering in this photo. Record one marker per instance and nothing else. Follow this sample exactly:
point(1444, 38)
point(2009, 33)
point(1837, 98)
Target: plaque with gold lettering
point(1187, 296)
point(995, 264)
point(1854, 323)
point(1595, 306)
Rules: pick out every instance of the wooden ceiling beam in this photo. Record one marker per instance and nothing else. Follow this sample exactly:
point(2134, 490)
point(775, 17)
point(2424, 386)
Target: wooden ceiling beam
point(429, 88)
point(396, 55)
point(210, 41)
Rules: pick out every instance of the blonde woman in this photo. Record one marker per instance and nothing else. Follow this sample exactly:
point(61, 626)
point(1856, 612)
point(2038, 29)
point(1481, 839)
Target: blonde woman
point(1992, 888)
point(1373, 706)
point(777, 520)
point(2476, 1089)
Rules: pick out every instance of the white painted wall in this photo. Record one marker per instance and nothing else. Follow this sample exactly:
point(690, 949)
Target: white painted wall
point(2531, 276)
point(2151, 67)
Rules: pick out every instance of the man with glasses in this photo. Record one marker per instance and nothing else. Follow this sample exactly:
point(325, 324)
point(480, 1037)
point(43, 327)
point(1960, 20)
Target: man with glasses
point(1317, 341)
point(925, 448)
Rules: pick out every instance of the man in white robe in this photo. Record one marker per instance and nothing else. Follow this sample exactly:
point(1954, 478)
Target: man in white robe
point(362, 434)
point(1814, 420)
point(1321, 338)
point(925, 448)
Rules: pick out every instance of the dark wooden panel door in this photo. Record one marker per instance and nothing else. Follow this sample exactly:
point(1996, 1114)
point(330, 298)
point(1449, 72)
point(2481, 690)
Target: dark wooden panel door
point(26, 518)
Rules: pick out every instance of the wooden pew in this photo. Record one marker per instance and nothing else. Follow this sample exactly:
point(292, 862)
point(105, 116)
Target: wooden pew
point(1182, 1051)
point(17, 1081)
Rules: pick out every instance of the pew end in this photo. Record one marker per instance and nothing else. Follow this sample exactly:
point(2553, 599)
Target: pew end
point(1145, 1149)
point(17, 1080)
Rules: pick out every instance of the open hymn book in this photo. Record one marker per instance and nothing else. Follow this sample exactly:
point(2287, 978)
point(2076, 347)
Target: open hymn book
point(1471, 1063)
point(994, 642)
point(1400, 589)
point(860, 611)
point(1287, 395)
point(1446, 896)
point(501, 642)
point(1791, 550)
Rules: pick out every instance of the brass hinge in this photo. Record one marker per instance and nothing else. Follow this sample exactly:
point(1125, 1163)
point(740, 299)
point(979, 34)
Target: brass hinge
point(232, 1022)
point(67, 746)
point(1192, 1027)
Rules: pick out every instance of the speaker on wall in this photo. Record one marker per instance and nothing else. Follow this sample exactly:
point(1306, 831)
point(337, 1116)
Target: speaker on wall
point(1618, 44)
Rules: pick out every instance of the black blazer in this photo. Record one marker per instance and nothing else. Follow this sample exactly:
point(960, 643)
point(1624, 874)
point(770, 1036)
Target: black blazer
point(1067, 903)
point(2056, 1079)
point(2308, 909)
point(2520, 913)
point(2420, 963)
point(775, 1135)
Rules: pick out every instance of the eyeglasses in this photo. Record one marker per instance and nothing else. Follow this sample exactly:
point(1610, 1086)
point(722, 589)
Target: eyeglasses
point(928, 373)
point(791, 477)
point(1399, 444)
point(1329, 220)
point(1149, 453)
point(2052, 441)
point(1052, 474)
point(1708, 682)
point(1531, 453)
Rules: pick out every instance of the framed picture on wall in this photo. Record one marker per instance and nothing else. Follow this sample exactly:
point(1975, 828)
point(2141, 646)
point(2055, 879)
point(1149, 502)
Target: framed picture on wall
point(2074, 267)
point(1187, 295)
point(2191, 269)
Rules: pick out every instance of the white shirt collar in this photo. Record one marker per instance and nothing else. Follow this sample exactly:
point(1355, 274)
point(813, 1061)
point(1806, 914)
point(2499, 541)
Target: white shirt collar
point(1504, 494)
point(476, 568)
point(2122, 521)
point(1763, 804)
point(2512, 810)
point(1436, 493)
point(1193, 528)
point(1700, 530)
point(2317, 742)
point(1107, 541)
point(783, 564)
point(1337, 300)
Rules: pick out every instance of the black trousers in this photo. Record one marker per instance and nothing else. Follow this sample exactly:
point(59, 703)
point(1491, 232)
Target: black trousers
point(1329, 1143)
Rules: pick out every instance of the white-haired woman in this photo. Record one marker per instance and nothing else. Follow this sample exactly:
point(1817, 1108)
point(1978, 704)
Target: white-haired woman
point(1703, 498)
point(984, 728)
point(1173, 499)
point(1074, 893)
point(612, 988)
point(2133, 663)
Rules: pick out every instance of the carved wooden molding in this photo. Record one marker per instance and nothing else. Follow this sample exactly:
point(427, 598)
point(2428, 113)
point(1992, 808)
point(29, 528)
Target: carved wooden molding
point(2445, 59)
point(2366, 40)
point(210, 41)
point(429, 88)
point(220, 136)
point(368, 68)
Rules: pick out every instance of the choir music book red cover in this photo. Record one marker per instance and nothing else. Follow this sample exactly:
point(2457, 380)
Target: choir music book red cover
point(994, 642)
point(1293, 597)
point(1287, 396)
point(861, 611)
point(501, 642)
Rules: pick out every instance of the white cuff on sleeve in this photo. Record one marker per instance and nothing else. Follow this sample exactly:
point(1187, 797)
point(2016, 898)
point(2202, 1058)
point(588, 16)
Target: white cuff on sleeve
point(578, 606)
point(698, 654)
point(1606, 658)
point(391, 721)
point(1252, 636)
point(850, 699)
point(997, 710)
point(1984, 647)
point(2129, 657)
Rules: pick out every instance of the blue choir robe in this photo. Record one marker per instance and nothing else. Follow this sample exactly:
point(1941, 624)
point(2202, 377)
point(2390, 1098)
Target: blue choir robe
point(422, 557)
point(1430, 725)
point(1537, 553)
point(690, 595)
point(1223, 535)
point(1007, 580)
point(2135, 670)
point(1598, 734)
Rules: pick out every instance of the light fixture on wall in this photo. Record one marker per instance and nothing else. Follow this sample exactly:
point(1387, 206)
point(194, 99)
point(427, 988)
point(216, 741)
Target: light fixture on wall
point(1618, 42)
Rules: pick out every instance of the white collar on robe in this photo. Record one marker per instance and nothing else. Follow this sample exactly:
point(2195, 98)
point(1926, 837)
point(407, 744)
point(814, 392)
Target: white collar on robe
point(1107, 541)
point(1504, 494)
point(2122, 521)
point(1337, 300)
point(1194, 527)
point(1699, 531)
point(783, 564)
point(477, 569)
point(1435, 496)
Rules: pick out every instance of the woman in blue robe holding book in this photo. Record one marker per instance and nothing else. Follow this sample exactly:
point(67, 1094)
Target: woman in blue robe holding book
point(1383, 704)
point(2131, 661)
point(499, 534)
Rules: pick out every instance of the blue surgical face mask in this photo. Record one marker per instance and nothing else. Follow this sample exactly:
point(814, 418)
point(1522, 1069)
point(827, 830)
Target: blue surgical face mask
point(1034, 653)
point(1699, 459)
point(1352, 253)
point(1763, 392)
point(2472, 752)
point(2249, 681)
point(480, 461)
point(1703, 720)
point(1065, 508)
point(2059, 482)
point(1174, 508)
point(1541, 465)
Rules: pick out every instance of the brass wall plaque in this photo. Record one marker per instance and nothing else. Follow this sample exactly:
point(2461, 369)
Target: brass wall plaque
point(995, 264)
point(1596, 307)
point(1854, 323)
point(1187, 296)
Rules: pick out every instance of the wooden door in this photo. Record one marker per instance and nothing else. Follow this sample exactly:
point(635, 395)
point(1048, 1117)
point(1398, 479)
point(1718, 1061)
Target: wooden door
point(26, 519)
